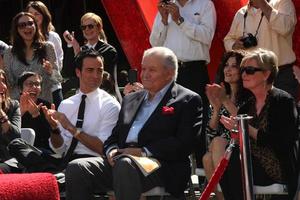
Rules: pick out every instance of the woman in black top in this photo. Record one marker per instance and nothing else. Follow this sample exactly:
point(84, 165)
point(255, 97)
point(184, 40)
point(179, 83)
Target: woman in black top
point(92, 29)
point(272, 130)
point(30, 106)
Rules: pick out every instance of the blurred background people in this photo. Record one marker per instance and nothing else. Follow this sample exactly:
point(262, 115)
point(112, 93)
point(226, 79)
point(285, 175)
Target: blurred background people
point(44, 21)
point(273, 129)
point(30, 53)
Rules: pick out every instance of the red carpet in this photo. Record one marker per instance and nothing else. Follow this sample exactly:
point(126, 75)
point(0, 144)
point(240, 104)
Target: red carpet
point(36, 186)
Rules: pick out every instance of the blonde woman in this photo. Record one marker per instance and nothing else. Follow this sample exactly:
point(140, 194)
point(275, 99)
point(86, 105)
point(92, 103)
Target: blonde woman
point(92, 29)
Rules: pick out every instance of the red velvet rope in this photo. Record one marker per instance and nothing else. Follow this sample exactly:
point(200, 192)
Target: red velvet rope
point(214, 180)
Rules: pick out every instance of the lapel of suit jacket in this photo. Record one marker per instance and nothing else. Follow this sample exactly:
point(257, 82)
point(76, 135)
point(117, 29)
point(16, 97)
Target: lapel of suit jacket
point(168, 99)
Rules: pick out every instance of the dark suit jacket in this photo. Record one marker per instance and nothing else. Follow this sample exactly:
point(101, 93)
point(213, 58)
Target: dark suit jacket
point(169, 137)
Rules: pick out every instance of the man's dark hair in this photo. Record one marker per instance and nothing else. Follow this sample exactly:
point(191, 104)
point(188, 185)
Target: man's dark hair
point(24, 76)
point(84, 54)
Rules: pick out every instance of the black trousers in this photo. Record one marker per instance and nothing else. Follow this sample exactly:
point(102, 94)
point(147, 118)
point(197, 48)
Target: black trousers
point(194, 76)
point(36, 160)
point(286, 80)
point(231, 181)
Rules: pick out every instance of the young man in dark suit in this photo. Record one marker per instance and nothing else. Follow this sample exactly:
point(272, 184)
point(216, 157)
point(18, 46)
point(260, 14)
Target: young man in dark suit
point(161, 121)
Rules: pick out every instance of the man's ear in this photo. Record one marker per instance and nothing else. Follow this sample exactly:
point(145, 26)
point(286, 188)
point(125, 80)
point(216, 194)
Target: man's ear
point(78, 72)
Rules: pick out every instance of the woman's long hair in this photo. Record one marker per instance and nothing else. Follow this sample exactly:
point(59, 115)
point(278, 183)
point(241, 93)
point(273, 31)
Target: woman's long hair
point(242, 93)
point(6, 103)
point(46, 25)
point(18, 44)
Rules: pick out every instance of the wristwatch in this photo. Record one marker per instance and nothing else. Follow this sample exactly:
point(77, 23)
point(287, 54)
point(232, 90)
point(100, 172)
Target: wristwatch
point(180, 21)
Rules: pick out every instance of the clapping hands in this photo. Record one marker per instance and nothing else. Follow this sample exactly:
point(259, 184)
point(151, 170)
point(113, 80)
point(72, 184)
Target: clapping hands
point(28, 105)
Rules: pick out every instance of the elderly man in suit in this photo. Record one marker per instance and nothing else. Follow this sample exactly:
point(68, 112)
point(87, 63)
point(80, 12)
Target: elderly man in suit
point(161, 121)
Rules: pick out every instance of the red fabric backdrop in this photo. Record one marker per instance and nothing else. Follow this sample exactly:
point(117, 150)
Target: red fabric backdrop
point(133, 19)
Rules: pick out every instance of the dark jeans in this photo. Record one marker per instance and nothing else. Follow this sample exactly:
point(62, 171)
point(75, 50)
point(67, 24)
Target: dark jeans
point(194, 76)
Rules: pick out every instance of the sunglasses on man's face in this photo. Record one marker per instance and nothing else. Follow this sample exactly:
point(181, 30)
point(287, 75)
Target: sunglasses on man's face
point(23, 25)
point(89, 26)
point(250, 70)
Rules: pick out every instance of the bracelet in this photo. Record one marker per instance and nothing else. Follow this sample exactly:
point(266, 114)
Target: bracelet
point(78, 132)
point(56, 131)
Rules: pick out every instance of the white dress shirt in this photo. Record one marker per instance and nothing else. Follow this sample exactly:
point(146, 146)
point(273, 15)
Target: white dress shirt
point(191, 40)
point(100, 116)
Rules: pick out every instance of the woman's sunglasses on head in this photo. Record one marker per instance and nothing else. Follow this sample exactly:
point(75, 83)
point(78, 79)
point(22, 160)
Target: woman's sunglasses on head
point(22, 25)
point(250, 70)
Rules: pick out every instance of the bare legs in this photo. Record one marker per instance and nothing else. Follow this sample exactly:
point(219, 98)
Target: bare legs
point(212, 158)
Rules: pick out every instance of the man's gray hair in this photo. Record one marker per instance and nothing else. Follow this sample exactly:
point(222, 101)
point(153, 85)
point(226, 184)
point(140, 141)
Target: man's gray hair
point(169, 59)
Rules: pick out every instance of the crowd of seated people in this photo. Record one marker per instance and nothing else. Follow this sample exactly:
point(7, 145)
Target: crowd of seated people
point(158, 117)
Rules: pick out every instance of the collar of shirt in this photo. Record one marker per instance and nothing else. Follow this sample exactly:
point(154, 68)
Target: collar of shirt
point(89, 95)
point(91, 46)
point(158, 96)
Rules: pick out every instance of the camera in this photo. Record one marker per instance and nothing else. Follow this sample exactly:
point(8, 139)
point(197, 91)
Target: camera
point(249, 41)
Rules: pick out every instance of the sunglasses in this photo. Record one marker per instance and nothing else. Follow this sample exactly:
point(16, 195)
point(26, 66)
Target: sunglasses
point(89, 26)
point(250, 70)
point(23, 25)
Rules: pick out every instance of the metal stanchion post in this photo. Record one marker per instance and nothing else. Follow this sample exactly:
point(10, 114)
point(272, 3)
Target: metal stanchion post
point(246, 161)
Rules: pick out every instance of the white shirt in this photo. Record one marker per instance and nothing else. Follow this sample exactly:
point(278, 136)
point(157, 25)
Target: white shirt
point(191, 40)
point(56, 41)
point(100, 116)
point(275, 35)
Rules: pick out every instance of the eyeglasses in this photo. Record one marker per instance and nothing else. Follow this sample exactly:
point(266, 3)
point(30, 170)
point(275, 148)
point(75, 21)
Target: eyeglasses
point(250, 70)
point(33, 83)
point(89, 26)
point(23, 25)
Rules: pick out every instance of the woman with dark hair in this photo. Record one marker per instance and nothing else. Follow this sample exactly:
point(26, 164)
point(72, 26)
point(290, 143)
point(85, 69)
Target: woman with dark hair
point(10, 123)
point(44, 21)
point(30, 105)
point(29, 52)
point(273, 130)
point(225, 97)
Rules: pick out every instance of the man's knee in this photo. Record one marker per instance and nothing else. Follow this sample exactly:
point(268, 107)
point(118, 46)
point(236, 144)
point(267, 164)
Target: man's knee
point(123, 165)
